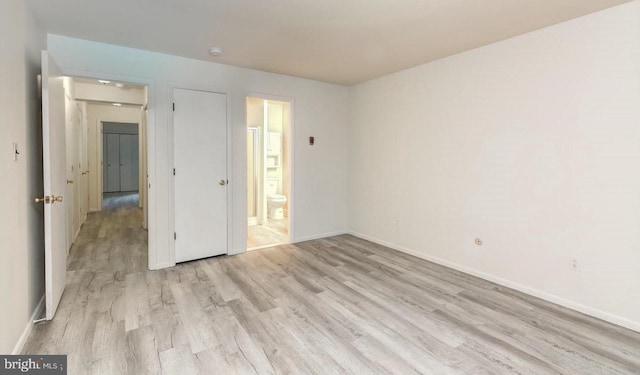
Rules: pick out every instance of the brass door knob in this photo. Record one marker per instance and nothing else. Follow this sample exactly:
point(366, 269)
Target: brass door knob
point(222, 182)
point(56, 198)
point(69, 181)
point(44, 199)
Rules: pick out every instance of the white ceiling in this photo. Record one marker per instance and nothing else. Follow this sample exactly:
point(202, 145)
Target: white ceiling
point(339, 41)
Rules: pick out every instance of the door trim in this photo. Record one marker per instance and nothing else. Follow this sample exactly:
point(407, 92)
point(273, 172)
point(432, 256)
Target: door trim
point(171, 157)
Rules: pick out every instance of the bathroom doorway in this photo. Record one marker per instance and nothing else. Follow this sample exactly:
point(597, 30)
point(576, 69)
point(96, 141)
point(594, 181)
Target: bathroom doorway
point(268, 172)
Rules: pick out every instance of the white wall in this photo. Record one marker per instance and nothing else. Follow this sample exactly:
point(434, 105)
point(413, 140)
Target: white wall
point(107, 93)
point(21, 228)
point(531, 144)
point(96, 114)
point(321, 110)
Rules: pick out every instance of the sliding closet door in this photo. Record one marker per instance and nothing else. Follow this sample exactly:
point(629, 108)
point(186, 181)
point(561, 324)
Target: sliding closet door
point(121, 162)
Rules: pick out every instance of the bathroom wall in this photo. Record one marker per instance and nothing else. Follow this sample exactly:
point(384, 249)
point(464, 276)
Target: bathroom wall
point(275, 124)
point(531, 144)
point(255, 119)
point(286, 156)
point(252, 209)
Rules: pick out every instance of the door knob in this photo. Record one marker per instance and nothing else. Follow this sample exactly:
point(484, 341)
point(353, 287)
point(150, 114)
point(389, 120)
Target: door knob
point(222, 182)
point(69, 181)
point(44, 199)
point(56, 198)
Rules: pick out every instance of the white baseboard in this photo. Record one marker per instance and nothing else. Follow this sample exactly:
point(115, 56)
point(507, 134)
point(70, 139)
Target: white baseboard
point(611, 318)
point(318, 236)
point(75, 236)
point(236, 251)
point(159, 266)
point(37, 313)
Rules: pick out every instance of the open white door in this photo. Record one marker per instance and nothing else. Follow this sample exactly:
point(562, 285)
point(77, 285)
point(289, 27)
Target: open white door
point(54, 159)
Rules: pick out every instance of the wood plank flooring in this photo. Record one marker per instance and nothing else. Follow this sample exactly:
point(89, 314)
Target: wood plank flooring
point(274, 233)
point(339, 305)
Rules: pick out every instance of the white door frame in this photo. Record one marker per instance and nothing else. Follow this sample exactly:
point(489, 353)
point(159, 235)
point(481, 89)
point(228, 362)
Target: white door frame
point(289, 146)
point(171, 158)
point(257, 175)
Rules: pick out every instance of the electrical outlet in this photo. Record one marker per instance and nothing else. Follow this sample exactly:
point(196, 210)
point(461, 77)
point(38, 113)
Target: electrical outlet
point(574, 264)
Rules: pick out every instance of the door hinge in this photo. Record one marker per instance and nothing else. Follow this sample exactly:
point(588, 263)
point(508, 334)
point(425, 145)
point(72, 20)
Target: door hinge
point(175, 236)
point(174, 171)
point(174, 107)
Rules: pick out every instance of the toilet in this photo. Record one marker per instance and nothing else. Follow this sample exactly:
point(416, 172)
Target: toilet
point(275, 201)
point(274, 204)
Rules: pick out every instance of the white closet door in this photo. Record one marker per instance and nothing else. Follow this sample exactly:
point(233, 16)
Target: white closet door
point(200, 160)
point(129, 162)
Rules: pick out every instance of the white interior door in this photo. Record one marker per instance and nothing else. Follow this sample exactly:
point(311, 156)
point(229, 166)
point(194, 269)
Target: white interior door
point(54, 160)
point(200, 160)
point(129, 162)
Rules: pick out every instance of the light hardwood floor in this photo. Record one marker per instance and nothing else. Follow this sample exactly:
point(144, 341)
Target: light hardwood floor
point(113, 201)
point(339, 305)
point(274, 233)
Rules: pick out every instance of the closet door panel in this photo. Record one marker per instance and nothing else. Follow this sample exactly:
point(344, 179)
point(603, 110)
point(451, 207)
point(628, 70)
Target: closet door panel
point(129, 162)
point(112, 161)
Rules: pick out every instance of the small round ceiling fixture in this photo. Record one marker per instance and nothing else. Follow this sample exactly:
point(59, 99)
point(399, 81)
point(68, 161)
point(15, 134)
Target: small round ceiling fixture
point(215, 51)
